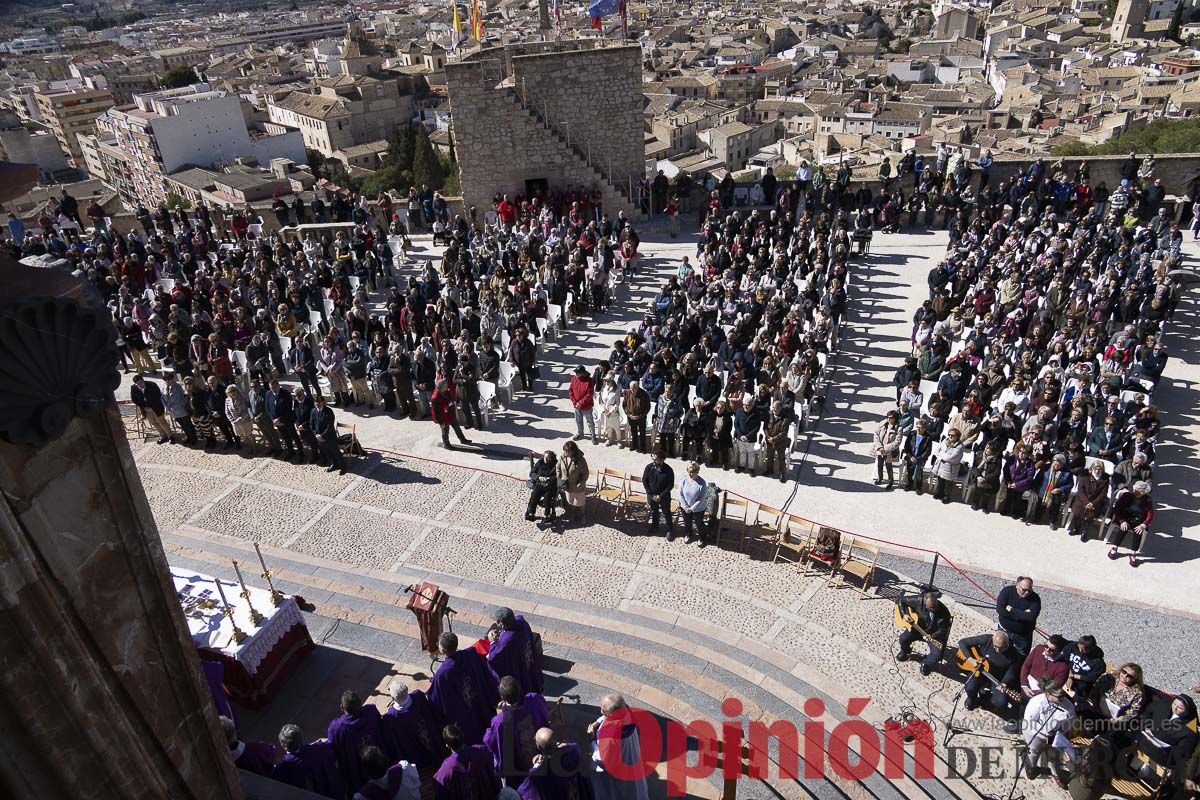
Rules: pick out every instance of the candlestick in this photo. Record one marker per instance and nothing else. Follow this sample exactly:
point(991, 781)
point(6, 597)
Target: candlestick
point(276, 595)
point(239, 635)
point(255, 617)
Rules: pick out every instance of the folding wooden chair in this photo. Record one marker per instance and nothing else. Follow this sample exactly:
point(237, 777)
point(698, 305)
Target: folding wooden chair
point(825, 552)
point(734, 518)
point(769, 521)
point(794, 539)
point(634, 491)
point(351, 447)
point(860, 562)
point(612, 488)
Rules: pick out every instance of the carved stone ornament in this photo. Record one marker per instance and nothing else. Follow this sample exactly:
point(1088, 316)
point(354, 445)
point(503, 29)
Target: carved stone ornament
point(58, 361)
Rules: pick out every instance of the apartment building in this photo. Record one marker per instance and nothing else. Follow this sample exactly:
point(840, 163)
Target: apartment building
point(341, 112)
point(69, 108)
point(169, 130)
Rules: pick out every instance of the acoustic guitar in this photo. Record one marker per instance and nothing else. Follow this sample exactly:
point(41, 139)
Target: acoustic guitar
point(975, 664)
point(910, 620)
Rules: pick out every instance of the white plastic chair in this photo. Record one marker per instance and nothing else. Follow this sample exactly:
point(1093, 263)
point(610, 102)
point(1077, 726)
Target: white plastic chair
point(504, 386)
point(487, 396)
point(553, 316)
point(354, 281)
point(239, 359)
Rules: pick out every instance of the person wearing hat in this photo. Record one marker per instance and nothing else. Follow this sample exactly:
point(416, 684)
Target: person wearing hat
point(1050, 488)
point(887, 448)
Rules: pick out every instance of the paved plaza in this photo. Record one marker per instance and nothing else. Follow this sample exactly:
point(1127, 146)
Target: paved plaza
point(410, 510)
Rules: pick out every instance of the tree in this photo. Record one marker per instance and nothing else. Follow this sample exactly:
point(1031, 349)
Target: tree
point(387, 178)
point(401, 148)
point(316, 161)
point(1160, 136)
point(177, 77)
point(427, 168)
point(176, 200)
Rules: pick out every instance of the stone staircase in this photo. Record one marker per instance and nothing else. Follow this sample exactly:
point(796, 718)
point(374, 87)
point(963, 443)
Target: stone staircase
point(673, 666)
point(611, 183)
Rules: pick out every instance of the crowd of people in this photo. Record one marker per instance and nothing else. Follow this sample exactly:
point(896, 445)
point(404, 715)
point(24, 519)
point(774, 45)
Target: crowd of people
point(1034, 360)
point(482, 731)
point(1062, 696)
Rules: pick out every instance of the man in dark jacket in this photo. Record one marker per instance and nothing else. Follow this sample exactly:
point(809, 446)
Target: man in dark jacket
point(1017, 610)
point(323, 426)
point(149, 400)
point(279, 407)
point(637, 406)
point(917, 449)
point(935, 629)
point(1003, 663)
point(659, 480)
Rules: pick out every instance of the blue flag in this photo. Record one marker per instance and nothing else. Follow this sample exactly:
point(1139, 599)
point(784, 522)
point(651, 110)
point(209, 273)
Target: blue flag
point(602, 8)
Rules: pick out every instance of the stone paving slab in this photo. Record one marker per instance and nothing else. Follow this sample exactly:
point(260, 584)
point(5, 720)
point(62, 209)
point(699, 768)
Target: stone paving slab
point(356, 537)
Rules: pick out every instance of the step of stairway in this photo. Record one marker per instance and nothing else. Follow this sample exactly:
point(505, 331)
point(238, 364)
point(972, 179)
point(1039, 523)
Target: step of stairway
point(682, 677)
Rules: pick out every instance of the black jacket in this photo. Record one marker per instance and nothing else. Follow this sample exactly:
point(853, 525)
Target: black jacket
point(657, 480)
point(1004, 666)
point(918, 454)
point(1022, 619)
point(936, 623)
point(322, 423)
point(149, 396)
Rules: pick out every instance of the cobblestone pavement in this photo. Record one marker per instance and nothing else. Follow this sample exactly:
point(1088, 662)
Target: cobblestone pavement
point(769, 626)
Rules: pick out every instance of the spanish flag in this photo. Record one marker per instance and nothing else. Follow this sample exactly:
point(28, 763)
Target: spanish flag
point(476, 21)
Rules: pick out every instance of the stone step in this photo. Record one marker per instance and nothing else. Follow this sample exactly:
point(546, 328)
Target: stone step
point(654, 668)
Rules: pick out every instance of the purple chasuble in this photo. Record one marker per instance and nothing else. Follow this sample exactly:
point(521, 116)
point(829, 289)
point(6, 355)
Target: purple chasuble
point(256, 757)
point(510, 737)
point(466, 775)
point(414, 734)
point(513, 654)
point(465, 691)
point(313, 768)
point(214, 674)
point(349, 734)
point(563, 776)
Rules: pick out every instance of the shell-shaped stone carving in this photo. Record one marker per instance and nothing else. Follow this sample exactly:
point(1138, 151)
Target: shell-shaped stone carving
point(58, 360)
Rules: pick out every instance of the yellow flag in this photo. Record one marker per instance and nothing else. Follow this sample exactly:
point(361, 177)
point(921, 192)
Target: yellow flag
point(456, 37)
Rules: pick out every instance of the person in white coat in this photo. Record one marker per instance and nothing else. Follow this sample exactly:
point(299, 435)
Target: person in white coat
point(949, 459)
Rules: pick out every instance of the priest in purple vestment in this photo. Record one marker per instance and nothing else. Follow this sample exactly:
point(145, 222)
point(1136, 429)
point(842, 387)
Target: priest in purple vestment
point(412, 729)
point(308, 766)
point(512, 651)
point(357, 727)
point(510, 736)
point(256, 757)
point(467, 773)
point(464, 689)
point(398, 782)
point(559, 772)
point(214, 674)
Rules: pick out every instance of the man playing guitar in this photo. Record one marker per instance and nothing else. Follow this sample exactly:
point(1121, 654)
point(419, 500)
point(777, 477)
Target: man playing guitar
point(995, 667)
point(927, 619)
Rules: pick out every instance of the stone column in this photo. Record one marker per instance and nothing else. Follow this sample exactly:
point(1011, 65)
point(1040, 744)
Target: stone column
point(101, 694)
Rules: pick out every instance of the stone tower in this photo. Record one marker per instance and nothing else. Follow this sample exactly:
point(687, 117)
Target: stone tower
point(1129, 20)
point(559, 115)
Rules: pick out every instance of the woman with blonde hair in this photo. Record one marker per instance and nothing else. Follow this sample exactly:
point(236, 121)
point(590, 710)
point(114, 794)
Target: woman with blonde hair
point(238, 410)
